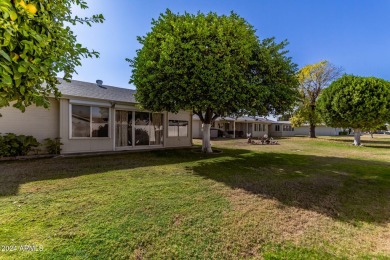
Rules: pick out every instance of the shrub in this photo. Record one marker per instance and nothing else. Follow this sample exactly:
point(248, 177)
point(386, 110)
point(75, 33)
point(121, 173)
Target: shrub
point(16, 145)
point(53, 146)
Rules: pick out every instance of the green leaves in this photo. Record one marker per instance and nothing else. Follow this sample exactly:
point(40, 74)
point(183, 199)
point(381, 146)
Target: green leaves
point(207, 62)
point(357, 102)
point(13, 15)
point(35, 46)
point(312, 80)
point(5, 55)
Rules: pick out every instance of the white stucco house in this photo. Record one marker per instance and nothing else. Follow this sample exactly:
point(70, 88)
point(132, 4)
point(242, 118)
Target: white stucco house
point(282, 128)
point(234, 127)
point(92, 117)
point(257, 126)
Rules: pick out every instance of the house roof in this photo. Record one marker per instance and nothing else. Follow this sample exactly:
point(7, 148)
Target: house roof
point(82, 89)
point(241, 119)
point(225, 118)
point(283, 122)
point(255, 119)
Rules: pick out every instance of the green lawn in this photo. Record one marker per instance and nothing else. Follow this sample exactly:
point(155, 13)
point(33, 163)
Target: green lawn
point(305, 199)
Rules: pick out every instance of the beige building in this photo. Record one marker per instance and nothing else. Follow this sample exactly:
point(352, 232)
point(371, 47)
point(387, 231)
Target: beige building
point(93, 117)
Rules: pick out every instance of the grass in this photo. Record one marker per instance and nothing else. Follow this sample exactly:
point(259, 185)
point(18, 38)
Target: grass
point(302, 199)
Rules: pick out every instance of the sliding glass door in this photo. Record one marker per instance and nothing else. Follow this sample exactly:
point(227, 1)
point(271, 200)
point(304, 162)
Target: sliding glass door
point(141, 128)
point(123, 128)
point(156, 129)
point(138, 128)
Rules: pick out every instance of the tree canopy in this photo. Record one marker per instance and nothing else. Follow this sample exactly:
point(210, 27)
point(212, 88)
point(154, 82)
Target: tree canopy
point(212, 65)
point(313, 79)
point(36, 44)
point(356, 102)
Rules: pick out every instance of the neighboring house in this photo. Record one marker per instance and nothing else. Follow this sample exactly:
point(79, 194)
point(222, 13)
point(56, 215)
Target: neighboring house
point(321, 130)
point(234, 127)
point(93, 117)
point(282, 128)
point(257, 126)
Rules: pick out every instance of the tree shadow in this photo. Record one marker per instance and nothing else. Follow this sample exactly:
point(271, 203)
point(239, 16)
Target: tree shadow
point(372, 143)
point(345, 189)
point(15, 173)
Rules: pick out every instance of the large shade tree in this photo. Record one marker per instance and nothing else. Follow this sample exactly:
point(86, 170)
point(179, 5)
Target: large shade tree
point(313, 79)
point(36, 44)
point(211, 65)
point(356, 102)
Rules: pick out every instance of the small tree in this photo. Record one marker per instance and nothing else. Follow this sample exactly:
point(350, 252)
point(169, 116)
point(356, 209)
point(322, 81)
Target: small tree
point(312, 80)
point(356, 102)
point(372, 130)
point(211, 65)
point(36, 45)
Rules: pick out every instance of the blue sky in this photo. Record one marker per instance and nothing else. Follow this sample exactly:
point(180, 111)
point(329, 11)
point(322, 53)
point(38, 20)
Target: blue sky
point(352, 34)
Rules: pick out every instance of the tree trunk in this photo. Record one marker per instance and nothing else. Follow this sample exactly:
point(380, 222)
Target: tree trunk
point(312, 131)
point(356, 136)
point(312, 121)
point(206, 144)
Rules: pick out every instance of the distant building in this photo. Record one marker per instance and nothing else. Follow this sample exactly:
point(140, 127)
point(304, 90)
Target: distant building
point(321, 130)
point(230, 127)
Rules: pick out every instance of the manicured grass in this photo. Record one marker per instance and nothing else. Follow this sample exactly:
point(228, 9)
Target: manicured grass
point(302, 199)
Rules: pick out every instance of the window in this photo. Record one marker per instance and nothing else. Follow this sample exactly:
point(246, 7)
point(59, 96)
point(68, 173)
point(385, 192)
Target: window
point(287, 128)
point(259, 128)
point(142, 128)
point(90, 121)
point(177, 128)
point(124, 128)
point(277, 128)
point(156, 129)
point(148, 128)
point(173, 128)
point(99, 121)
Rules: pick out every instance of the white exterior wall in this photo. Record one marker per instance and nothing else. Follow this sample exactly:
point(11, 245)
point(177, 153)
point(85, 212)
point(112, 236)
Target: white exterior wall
point(178, 141)
point(280, 133)
point(39, 122)
point(259, 133)
point(302, 130)
point(196, 129)
point(320, 131)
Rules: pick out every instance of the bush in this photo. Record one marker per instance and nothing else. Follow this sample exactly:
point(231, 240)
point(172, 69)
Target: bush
point(53, 146)
point(16, 145)
point(343, 133)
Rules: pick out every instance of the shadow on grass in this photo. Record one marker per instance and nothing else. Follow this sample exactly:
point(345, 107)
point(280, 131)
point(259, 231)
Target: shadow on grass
point(15, 173)
point(344, 189)
point(372, 143)
point(341, 188)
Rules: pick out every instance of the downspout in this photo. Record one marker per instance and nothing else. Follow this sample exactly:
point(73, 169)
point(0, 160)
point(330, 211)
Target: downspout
point(191, 119)
point(234, 129)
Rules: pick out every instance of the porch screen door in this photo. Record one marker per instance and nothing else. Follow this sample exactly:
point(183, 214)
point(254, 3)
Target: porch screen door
point(123, 128)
